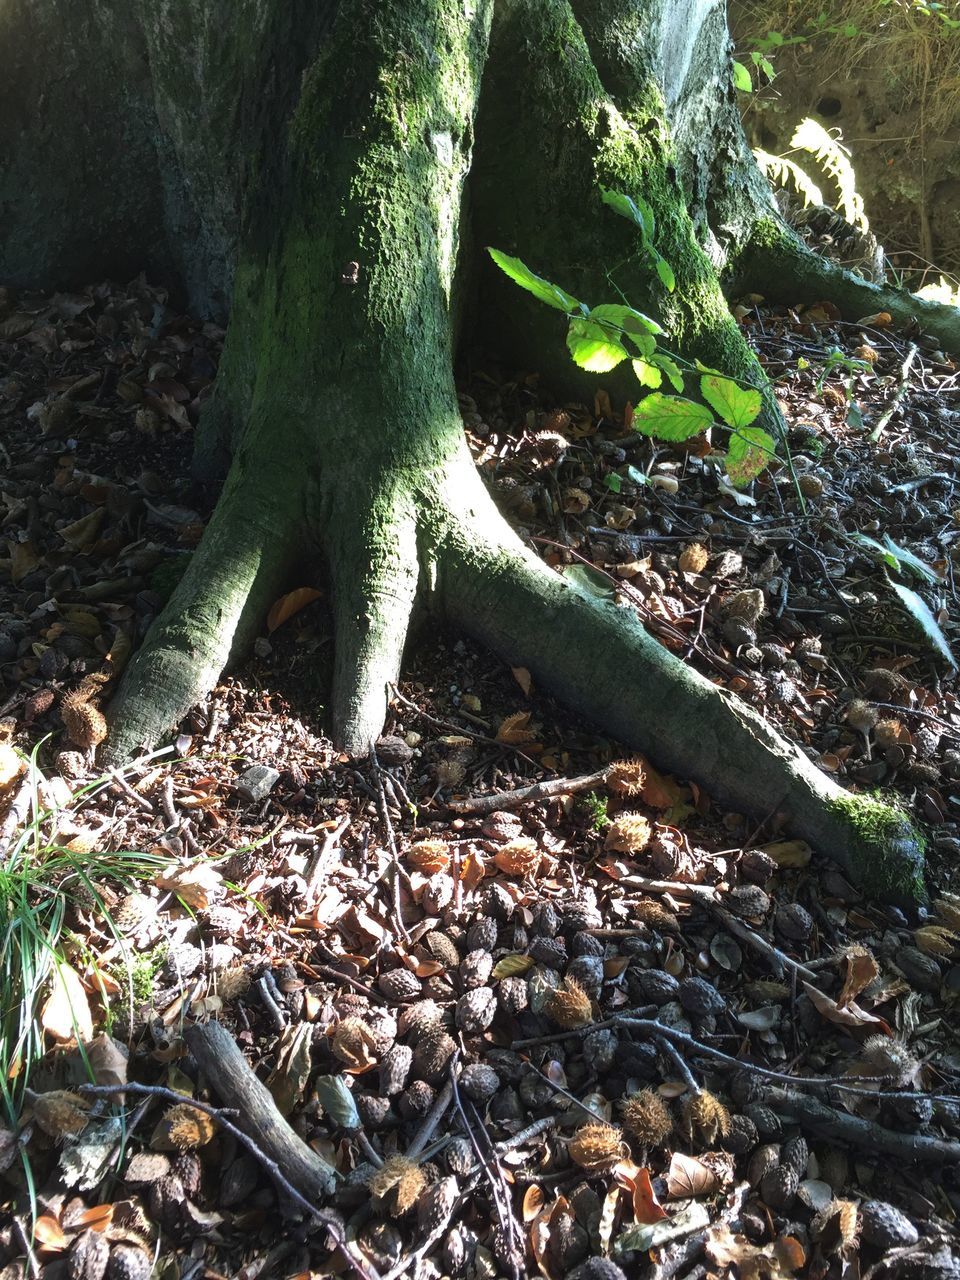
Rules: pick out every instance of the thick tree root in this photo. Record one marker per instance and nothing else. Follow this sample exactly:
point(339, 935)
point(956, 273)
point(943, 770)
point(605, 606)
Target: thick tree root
point(598, 658)
point(240, 569)
point(778, 265)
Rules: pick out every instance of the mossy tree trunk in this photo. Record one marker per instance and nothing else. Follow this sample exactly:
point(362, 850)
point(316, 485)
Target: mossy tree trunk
point(334, 225)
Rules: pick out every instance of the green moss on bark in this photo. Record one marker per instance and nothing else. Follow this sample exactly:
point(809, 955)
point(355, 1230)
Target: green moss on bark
point(885, 850)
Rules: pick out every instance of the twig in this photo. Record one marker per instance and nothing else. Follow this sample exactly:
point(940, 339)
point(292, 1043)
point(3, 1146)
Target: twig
point(449, 725)
point(421, 1251)
point(117, 778)
point(432, 1119)
point(537, 791)
point(391, 845)
point(328, 1219)
point(318, 863)
point(898, 395)
point(680, 1062)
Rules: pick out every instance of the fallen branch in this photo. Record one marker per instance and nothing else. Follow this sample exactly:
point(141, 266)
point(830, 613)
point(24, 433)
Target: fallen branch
point(536, 791)
point(836, 1126)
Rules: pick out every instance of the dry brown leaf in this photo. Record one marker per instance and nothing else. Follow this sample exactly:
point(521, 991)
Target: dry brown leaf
point(48, 1233)
point(108, 1062)
point(532, 1202)
point(66, 1013)
point(776, 1261)
point(197, 885)
point(24, 558)
point(861, 971)
point(646, 1207)
point(851, 1015)
point(514, 729)
point(687, 1177)
point(82, 534)
point(283, 609)
point(523, 679)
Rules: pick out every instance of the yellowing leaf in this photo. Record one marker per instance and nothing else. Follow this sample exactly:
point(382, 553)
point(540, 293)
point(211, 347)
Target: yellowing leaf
point(284, 608)
point(513, 966)
point(66, 1013)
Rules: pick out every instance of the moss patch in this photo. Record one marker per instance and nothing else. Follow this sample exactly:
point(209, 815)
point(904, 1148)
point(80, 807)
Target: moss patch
point(886, 851)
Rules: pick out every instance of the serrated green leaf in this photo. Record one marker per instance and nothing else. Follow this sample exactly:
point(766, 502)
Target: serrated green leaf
point(645, 343)
point(736, 405)
point(670, 368)
point(665, 272)
point(636, 211)
point(594, 346)
point(512, 966)
point(670, 417)
point(648, 375)
point(751, 449)
point(613, 482)
point(741, 77)
point(541, 289)
point(919, 610)
point(626, 318)
point(766, 66)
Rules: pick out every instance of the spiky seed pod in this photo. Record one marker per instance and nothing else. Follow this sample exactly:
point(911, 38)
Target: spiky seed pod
point(429, 856)
point(934, 940)
point(885, 1227)
point(521, 857)
point(778, 1186)
point(182, 1128)
point(353, 1041)
point(701, 998)
point(887, 733)
point(762, 1161)
point(232, 982)
point(768, 1123)
point(598, 1269)
point(434, 1205)
point(628, 833)
point(693, 558)
point(705, 1119)
point(861, 716)
point(88, 1256)
point(569, 1005)
point(431, 1056)
point(482, 934)
point(600, 1049)
point(743, 1136)
point(479, 1082)
point(835, 1226)
point(947, 909)
point(398, 1185)
point(746, 1087)
point(550, 952)
point(579, 914)
point(416, 1100)
point(883, 1056)
point(654, 914)
point(512, 995)
point(460, 1157)
point(374, 1110)
point(647, 1117)
point(796, 1154)
point(394, 1070)
point(443, 949)
point(417, 1018)
point(747, 606)
point(475, 1010)
point(596, 1146)
point(655, 986)
point(626, 777)
point(129, 1262)
point(60, 1112)
point(748, 901)
point(399, 984)
point(475, 969)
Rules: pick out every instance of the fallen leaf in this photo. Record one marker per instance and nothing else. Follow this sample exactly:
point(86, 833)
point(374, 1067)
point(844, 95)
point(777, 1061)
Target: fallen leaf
point(197, 885)
point(284, 608)
point(687, 1178)
point(789, 853)
point(48, 1233)
point(849, 1016)
point(66, 1013)
point(861, 971)
point(108, 1062)
point(523, 679)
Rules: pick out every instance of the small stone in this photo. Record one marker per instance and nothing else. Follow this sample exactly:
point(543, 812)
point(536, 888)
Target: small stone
point(256, 783)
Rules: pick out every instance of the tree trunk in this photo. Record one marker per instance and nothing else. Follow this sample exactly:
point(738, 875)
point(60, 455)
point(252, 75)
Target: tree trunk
point(324, 195)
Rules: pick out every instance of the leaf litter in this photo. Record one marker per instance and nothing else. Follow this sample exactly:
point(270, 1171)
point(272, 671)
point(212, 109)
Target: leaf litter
point(608, 1021)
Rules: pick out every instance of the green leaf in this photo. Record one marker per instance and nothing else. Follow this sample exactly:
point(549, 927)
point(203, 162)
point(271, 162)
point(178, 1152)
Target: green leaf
point(541, 289)
point(741, 77)
point(594, 346)
point(872, 544)
point(670, 417)
point(645, 343)
point(766, 66)
point(648, 375)
point(736, 405)
point(912, 562)
point(751, 449)
point(670, 368)
point(638, 477)
point(613, 482)
point(665, 272)
point(626, 318)
point(634, 210)
point(919, 610)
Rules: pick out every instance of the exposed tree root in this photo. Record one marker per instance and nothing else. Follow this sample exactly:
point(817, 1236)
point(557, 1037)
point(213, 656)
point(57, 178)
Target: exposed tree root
point(777, 264)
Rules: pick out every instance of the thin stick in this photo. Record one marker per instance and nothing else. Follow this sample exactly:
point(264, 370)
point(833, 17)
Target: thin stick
point(536, 791)
point(391, 845)
point(318, 863)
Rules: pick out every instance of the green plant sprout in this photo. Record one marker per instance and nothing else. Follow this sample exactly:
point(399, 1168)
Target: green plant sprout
point(742, 75)
point(603, 337)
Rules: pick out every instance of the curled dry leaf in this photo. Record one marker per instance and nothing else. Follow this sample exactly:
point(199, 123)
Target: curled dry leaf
point(861, 971)
point(934, 940)
point(777, 1261)
point(66, 1013)
point(849, 1016)
point(197, 885)
point(688, 1178)
point(285, 608)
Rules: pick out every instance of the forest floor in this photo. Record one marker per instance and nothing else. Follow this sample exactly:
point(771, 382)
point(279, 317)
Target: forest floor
point(558, 1034)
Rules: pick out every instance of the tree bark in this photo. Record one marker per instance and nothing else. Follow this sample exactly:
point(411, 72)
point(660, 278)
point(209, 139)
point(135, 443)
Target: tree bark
point(333, 226)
